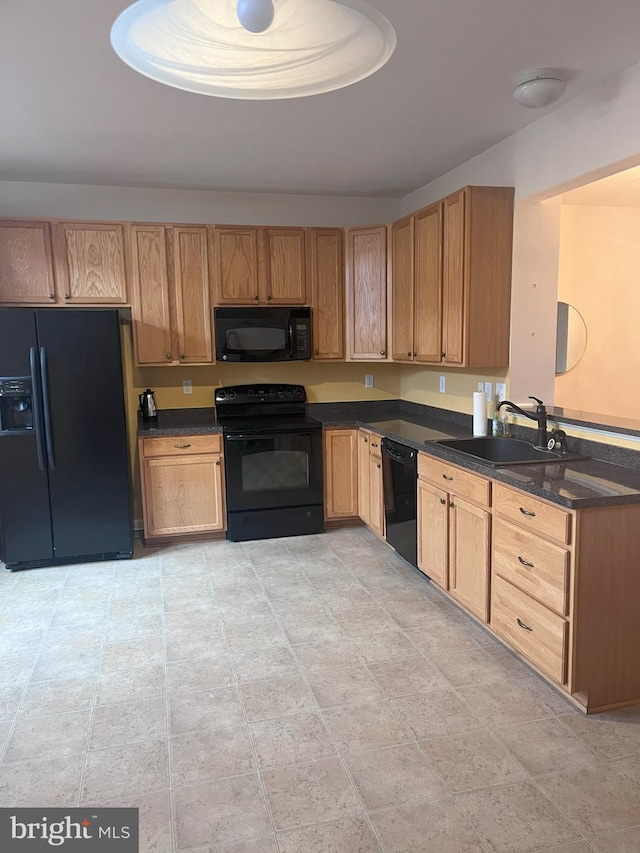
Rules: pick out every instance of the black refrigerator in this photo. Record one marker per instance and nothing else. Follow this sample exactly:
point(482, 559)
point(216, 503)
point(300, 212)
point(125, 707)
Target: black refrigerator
point(64, 473)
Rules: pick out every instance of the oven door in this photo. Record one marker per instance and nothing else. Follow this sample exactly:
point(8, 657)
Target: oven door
point(273, 470)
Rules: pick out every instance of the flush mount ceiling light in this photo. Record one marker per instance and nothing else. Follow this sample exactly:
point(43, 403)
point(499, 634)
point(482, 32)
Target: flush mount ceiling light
point(539, 87)
point(254, 49)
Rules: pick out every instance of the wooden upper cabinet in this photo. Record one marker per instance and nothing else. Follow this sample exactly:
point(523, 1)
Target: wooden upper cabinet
point(150, 303)
point(235, 265)
point(325, 268)
point(193, 303)
point(428, 284)
point(285, 266)
point(90, 262)
point(367, 293)
point(26, 267)
point(171, 304)
point(402, 248)
point(453, 279)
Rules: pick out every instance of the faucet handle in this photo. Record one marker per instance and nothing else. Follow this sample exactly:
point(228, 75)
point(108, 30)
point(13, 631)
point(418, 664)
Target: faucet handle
point(539, 402)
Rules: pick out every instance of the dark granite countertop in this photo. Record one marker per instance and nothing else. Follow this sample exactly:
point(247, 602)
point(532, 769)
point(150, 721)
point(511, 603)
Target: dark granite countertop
point(179, 422)
point(611, 476)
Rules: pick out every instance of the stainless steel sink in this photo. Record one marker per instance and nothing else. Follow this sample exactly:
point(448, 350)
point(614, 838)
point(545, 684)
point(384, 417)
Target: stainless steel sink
point(504, 452)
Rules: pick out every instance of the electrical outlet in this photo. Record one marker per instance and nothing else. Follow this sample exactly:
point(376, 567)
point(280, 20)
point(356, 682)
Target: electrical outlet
point(443, 384)
point(501, 391)
point(187, 386)
point(488, 388)
point(481, 386)
point(368, 380)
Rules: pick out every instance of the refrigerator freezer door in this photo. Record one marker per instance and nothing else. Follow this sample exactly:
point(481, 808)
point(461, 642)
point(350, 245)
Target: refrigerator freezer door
point(25, 518)
point(81, 369)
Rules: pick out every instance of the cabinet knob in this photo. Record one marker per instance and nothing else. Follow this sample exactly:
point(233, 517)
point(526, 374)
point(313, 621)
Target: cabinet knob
point(415, 354)
point(451, 504)
point(217, 461)
point(268, 297)
point(366, 441)
point(409, 354)
point(67, 296)
point(382, 352)
point(255, 298)
point(52, 296)
point(442, 501)
point(168, 356)
point(182, 356)
point(373, 444)
point(377, 464)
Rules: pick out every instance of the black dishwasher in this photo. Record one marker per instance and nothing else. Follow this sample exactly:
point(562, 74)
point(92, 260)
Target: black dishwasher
point(400, 475)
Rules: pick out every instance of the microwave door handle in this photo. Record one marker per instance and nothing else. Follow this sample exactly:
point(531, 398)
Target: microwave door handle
point(292, 346)
point(37, 405)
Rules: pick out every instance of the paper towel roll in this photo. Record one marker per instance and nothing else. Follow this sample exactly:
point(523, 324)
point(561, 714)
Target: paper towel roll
point(480, 420)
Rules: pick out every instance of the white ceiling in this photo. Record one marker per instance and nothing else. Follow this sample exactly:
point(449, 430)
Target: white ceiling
point(72, 112)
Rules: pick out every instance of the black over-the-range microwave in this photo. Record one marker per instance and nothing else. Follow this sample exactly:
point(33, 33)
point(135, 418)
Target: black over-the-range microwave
point(262, 334)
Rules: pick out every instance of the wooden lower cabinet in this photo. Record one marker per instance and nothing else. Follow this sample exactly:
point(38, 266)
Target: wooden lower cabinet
point(340, 474)
point(454, 528)
point(370, 485)
point(469, 543)
point(182, 486)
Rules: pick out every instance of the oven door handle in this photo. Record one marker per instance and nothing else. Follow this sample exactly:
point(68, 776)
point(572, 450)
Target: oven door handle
point(263, 436)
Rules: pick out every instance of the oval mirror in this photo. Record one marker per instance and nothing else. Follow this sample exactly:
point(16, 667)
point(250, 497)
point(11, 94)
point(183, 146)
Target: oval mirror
point(571, 337)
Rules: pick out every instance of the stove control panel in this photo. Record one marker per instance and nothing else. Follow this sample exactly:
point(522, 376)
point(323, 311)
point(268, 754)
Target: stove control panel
point(264, 392)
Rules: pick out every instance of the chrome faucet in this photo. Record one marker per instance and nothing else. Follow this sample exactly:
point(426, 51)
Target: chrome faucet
point(540, 416)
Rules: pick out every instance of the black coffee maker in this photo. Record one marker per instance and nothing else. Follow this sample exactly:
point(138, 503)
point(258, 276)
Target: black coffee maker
point(148, 406)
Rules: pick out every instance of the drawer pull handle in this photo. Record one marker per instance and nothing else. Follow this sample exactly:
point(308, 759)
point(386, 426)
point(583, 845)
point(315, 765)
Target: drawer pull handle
point(373, 444)
point(522, 625)
point(181, 446)
point(525, 563)
point(527, 512)
point(446, 477)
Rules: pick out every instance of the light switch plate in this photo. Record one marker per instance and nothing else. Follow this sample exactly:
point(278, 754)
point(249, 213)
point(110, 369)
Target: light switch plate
point(501, 391)
point(187, 386)
point(368, 380)
point(488, 387)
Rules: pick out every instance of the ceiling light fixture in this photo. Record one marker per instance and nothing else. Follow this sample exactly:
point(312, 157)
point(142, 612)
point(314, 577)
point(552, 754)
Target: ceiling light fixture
point(254, 49)
point(539, 87)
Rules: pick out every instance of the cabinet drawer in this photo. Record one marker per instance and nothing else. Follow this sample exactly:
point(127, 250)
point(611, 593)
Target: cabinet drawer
point(179, 444)
point(454, 479)
point(532, 513)
point(534, 565)
point(530, 628)
point(375, 445)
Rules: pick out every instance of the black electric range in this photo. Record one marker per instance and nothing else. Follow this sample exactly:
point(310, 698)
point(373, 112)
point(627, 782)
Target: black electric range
point(273, 461)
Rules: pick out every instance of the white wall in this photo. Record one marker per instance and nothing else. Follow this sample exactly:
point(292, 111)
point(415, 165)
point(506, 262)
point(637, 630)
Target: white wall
point(77, 201)
point(594, 135)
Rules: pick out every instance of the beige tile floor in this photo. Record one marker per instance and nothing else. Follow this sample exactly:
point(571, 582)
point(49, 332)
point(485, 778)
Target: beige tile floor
point(303, 695)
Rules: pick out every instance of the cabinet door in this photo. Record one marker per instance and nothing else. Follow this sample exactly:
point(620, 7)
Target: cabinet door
point(235, 265)
point(367, 293)
point(285, 266)
point(364, 477)
point(341, 473)
point(150, 303)
point(376, 495)
point(402, 290)
point(469, 528)
point(326, 273)
point(453, 279)
point(89, 259)
point(183, 495)
point(433, 533)
point(428, 284)
point(193, 305)
point(26, 268)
